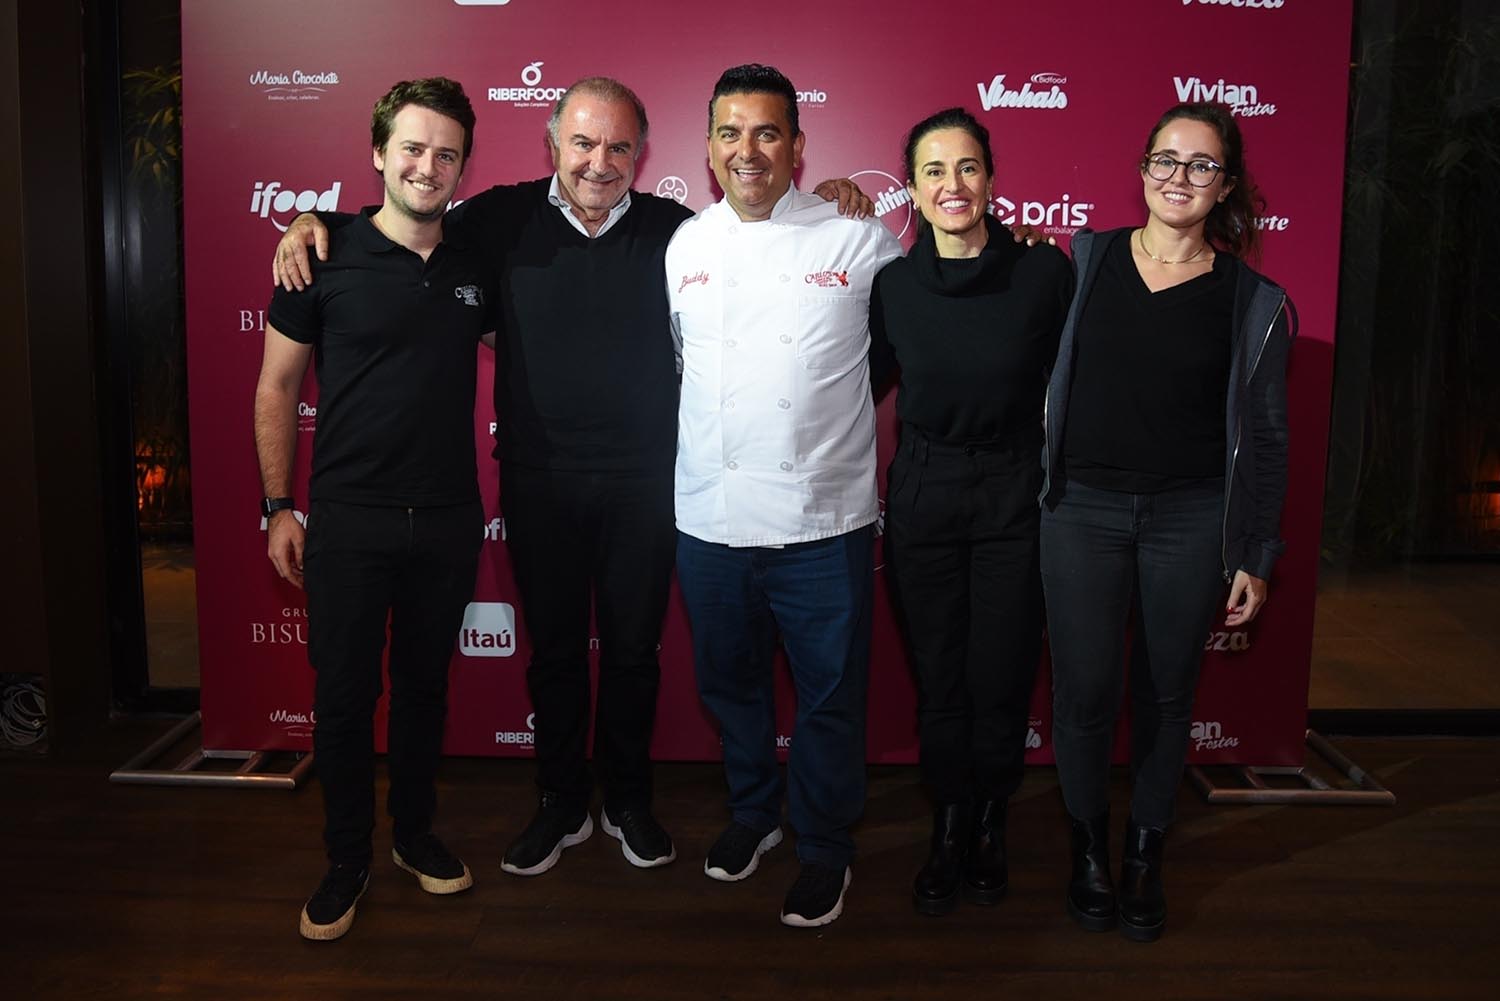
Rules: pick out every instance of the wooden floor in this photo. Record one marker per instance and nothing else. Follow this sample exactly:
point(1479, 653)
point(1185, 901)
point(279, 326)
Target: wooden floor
point(133, 892)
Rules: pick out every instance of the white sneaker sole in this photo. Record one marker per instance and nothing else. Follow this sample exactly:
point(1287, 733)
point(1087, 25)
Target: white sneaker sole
point(636, 860)
point(724, 876)
point(568, 841)
point(434, 884)
point(798, 921)
point(333, 930)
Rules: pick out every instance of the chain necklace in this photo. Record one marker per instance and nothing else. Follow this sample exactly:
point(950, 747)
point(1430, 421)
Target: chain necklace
point(1141, 236)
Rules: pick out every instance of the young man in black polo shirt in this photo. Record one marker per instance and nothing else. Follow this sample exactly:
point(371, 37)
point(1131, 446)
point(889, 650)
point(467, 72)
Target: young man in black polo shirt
point(395, 523)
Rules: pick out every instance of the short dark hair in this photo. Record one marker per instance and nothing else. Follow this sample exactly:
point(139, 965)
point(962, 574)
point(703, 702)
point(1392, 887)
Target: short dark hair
point(1230, 225)
point(605, 89)
point(435, 93)
point(948, 118)
point(754, 78)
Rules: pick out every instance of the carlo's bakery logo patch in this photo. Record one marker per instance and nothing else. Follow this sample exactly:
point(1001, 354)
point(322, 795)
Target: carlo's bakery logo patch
point(1043, 91)
point(828, 279)
point(892, 199)
point(472, 295)
point(293, 86)
point(701, 278)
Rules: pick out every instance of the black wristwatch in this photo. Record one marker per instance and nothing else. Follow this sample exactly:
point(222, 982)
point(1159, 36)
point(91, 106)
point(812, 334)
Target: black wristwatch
point(270, 505)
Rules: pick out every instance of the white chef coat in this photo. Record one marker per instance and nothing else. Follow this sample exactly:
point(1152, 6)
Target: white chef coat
point(776, 427)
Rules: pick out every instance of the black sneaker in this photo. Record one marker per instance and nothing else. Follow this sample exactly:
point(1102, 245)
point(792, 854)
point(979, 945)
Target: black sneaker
point(556, 826)
point(437, 869)
point(817, 898)
point(329, 912)
point(737, 852)
point(641, 838)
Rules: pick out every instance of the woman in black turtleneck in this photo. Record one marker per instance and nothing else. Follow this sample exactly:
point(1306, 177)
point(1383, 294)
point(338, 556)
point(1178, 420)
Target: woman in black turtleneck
point(972, 319)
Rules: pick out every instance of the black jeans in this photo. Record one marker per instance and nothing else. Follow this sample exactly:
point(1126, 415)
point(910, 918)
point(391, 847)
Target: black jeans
point(364, 567)
point(1109, 557)
point(961, 546)
point(602, 540)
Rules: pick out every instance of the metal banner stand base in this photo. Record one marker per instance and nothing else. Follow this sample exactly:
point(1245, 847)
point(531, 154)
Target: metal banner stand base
point(187, 772)
point(1316, 791)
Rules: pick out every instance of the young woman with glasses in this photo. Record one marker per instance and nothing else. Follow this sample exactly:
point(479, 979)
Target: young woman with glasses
point(1165, 471)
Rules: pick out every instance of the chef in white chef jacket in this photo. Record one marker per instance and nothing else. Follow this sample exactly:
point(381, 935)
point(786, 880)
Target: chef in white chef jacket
point(775, 485)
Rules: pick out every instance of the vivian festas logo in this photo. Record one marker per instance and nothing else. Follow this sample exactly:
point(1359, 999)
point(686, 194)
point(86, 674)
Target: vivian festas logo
point(1043, 90)
point(489, 630)
point(1209, 736)
point(1243, 98)
point(270, 200)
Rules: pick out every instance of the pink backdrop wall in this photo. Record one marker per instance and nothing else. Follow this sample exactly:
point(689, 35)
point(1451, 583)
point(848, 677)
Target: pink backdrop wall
point(277, 99)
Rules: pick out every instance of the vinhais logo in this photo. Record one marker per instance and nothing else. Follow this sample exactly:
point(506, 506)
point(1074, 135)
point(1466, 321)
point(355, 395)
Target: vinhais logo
point(272, 200)
point(293, 86)
point(1210, 737)
point(488, 630)
point(519, 738)
point(1243, 98)
point(531, 93)
point(1063, 217)
point(1043, 90)
point(892, 200)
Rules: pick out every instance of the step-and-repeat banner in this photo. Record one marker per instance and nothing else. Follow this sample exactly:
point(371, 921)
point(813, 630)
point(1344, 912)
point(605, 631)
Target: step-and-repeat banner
point(277, 97)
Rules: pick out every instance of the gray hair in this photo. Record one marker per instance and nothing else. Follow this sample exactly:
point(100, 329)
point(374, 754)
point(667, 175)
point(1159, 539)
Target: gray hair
point(605, 89)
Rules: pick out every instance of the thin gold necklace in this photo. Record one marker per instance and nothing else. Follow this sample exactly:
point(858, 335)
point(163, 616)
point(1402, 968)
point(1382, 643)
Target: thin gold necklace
point(1141, 235)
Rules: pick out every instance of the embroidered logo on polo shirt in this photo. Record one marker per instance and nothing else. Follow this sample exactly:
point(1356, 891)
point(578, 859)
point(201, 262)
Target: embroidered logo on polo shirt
point(701, 278)
point(828, 279)
point(472, 295)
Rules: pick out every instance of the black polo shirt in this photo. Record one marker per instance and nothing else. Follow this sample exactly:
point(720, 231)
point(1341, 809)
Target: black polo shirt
point(395, 341)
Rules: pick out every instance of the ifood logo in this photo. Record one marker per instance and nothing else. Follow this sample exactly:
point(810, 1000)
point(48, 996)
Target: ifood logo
point(519, 738)
point(1267, 4)
point(1043, 90)
point(530, 94)
point(1060, 218)
point(892, 200)
point(307, 416)
point(672, 187)
point(494, 530)
point(1210, 737)
point(271, 200)
point(293, 86)
point(1243, 98)
point(488, 630)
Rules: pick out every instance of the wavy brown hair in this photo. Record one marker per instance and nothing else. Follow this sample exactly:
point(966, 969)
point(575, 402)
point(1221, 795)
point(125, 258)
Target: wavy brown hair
point(1230, 226)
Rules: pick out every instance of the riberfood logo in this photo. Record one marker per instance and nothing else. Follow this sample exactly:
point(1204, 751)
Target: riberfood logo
point(1243, 98)
point(531, 94)
point(892, 200)
point(1063, 217)
point(519, 738)
point(1266, 4)
point(1043, 91)
point(488, 630)
point(293, 86)
point(281, 204)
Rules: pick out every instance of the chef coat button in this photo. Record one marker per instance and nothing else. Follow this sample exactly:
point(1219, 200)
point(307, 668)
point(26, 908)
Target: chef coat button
point(730, 343)
point(785, 338)
point(786, 467)
point(729, 405)
point(732, 464)
point(786, 278)
point(426, 283)
point(784, 404)
point(733, 230)
point(732, 283)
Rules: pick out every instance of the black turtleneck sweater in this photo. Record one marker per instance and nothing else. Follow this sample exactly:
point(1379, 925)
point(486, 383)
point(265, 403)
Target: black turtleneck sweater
point(974, 338)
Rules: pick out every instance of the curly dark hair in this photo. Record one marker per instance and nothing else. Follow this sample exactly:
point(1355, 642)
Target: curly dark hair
point(754, 78)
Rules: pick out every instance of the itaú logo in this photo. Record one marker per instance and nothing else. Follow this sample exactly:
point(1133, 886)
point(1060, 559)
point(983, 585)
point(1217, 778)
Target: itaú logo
point(488, 630)
point(270, 200)
point(1064, 216)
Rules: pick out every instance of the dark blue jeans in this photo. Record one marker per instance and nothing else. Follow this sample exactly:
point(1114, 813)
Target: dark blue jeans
point(366, 568)
point(1109, 557)
point(818, 596)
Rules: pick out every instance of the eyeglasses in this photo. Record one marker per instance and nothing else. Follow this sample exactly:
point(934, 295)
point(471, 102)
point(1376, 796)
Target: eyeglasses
point(1200, 173)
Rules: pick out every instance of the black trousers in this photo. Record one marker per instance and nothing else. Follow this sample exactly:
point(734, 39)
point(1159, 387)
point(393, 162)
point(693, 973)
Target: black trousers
point(607, 541)
point(961, 544)
point(1110, 557)
point(365, 567)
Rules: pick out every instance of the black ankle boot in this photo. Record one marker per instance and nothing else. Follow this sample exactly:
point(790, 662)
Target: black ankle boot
point(1091, 894)
point(984, 868)
point(1143, 906)
point(935, 890)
